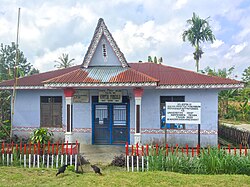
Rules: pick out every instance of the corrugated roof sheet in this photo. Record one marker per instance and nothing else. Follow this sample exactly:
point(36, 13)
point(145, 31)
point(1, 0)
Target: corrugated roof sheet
point(175, 76)
point(37, 79)
point(102, 75)
point(137, 73)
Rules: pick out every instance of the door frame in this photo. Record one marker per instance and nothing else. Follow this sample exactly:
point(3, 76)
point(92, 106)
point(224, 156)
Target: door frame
point(95, 102)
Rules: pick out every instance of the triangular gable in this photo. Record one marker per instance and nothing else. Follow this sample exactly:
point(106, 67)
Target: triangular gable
point(102, 32)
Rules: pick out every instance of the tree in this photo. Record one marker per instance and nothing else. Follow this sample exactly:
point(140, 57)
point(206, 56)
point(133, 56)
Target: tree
point(150, 59)
point(64, 61)
point(246, 76)
point(224, 95)
point(199, 31)
point(156, 61)
point(7, 63)
point(8, 60)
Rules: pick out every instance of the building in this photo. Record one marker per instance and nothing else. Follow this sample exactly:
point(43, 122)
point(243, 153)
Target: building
point(106, 100)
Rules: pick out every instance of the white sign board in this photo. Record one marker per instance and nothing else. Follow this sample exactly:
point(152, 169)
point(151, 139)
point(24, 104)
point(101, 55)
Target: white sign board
point(183, 112)
point(110, 96)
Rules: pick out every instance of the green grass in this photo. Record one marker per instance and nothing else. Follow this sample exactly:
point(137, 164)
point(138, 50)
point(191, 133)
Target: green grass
point(13, 176)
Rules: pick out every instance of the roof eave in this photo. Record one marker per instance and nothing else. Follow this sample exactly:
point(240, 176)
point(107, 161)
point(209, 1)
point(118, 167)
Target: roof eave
point(201, 86)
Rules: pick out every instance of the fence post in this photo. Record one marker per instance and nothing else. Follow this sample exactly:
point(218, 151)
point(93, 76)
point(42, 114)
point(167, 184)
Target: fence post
point(127, 156)
point(132, 157)
point(7, 154)
point(29, 154)
point(24, 156)
point(62, 154)
point(38, 154)
point(137, 156)
point(52, 156)
point(229, 150)
point(48, 154)
point(71, 152)
point(44, 146)
point(187, 149)
point(142, 157)
point(76, 167)
point(3, 153)
point(11, 156)
point(240, 149)
point(147, 154)
point(20, 153)
point(245, 150)
point(34, 156)
point(57, 144)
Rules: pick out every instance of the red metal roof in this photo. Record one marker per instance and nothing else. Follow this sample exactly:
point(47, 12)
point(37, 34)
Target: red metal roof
point(103, 75)
point(175, 76)
point(137, 73)
point(37, 79)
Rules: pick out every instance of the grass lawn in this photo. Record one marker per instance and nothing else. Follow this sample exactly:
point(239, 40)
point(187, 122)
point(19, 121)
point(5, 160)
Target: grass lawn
point(12, 176)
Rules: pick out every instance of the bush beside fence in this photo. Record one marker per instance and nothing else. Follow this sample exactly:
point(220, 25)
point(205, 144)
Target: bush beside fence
point(197, 160)
point(37, 155)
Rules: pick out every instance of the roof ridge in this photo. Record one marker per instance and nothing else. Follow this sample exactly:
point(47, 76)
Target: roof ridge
point(102, 29)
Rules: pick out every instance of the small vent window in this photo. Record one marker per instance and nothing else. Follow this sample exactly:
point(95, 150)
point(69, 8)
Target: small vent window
point(104, 50)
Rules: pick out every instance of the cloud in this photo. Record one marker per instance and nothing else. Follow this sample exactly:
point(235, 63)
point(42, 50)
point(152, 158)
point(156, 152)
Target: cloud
point(235, 49)
point(47, 62)
point(217, 44)
point(140, 28)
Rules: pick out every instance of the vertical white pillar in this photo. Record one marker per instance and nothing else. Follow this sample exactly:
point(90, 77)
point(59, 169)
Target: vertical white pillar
point(138, 97)
point(69, 134)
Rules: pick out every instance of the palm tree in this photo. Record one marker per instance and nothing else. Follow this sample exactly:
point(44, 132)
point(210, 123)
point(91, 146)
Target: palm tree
point(64, 61)
point(199, 31)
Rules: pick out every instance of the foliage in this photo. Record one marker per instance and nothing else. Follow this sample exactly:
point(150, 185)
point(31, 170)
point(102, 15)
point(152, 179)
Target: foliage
point(156, 61)
point(4, 130)
point(246, 76)
point(118, 161)
point(224, 73)
point(199, 31)
point(64, 61)
point(209, 161)
point(71, 168)
point(8, 54)
point(233, 103)
point(41, 135)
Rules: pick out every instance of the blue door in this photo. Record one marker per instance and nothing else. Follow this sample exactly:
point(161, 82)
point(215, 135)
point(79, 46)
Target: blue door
point(110, 123)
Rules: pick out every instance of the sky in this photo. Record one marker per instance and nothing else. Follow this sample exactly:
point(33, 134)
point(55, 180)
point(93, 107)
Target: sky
point(139, 27)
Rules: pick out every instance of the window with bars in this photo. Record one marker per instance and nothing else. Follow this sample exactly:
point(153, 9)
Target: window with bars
point(51, 111)
point(163, 100)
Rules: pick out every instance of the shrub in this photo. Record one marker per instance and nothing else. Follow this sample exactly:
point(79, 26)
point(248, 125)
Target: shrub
point(41, 135)
point(118, 161)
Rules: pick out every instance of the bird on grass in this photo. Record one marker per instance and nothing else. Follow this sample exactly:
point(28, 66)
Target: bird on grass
point(96, 169)
point(61, 169)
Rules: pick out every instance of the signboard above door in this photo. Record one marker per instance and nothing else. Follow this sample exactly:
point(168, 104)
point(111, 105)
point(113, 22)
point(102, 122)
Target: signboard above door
point(183, 112)
point(110, 96)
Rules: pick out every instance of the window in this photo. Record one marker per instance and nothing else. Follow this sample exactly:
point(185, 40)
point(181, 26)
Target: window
point(163, 100)
point(51, 111)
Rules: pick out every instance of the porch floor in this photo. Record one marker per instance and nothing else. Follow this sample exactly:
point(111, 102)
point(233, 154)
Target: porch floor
point(101, 154)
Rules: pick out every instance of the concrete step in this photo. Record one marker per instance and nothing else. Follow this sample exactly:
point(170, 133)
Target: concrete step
point(101, 154)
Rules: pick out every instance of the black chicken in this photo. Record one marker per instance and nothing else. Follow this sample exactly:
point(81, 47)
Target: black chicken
point(61, 169)
point(96, 169)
